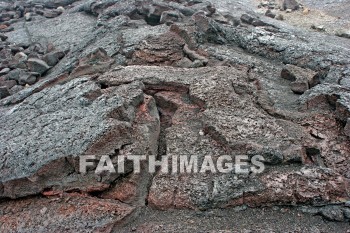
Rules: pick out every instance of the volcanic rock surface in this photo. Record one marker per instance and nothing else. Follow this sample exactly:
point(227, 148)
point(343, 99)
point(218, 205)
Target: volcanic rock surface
point(170, 78)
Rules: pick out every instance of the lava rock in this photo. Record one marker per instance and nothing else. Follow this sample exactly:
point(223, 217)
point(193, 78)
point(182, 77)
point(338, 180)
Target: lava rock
point(14, 74)
point(245, 18)
point(4, 92)
point(53, 58)
point(16, 88)
point(347, 133)
point(171, 16)
point(8, 83)
point(3, 37)
point(37, 65)
point(346, 212)
point(302, 79)
point(270, 14)
point(4, 71)
point(319, 28)
point(27, 78)
point(343, 33)
point(272, 156)
point(290, 4)
point(333, 213)
point(52, 13)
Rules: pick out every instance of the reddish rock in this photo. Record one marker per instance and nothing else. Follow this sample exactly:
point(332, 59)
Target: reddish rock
point(302, 79)
point(69, 213)
point(163, 50)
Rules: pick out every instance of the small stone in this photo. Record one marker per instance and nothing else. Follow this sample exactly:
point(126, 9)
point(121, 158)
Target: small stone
point(16, 88)
point(14, 74)
point(347, 133)
point(343, 33)
point(220, 18)
point(258, 23)
point(52, 13)
point(27, 78)
point(4, 92)
point(270, 14)
point(53, 58)
point(43, 211)
point(346, 213)
point(171, 16)
point(299, 86)
point(280, 17)
point(347, 204)
point(289, 10)
point(37, 65)
point(290, 5)
point(306, 11)
point(247, 19)
point(272, 156)
point(3, 37)
point(333, 213)
point(20, 57)
point(319, 28)
point(60, 9)
point(8, 83)
point(28, 16)
point(183, 63)
point(302, 79)
point(4, 71)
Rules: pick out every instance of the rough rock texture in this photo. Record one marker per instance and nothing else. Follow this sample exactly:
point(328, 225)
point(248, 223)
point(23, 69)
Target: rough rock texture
point(170, 78)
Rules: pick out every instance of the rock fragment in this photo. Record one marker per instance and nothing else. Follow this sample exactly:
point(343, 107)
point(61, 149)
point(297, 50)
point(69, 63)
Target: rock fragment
point(37, 65)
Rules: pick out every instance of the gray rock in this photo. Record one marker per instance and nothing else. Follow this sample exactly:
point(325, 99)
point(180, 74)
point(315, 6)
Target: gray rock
point(270, 14)
point(8, 83)
point(27, 78)
point(14, 74)
point(3, 37)
point(16, 88)
point(53, 58)
point(320, 28)
point(343, 33)
point(4, 71)
point(346, 212)
point(248, 19)
point(38, 66)
point(171, 16)
point(333, 213)
point(302, 79)
point(272, 156)
point(347, 133)
point(290, 4)
point(4, 92)
point(52, 13)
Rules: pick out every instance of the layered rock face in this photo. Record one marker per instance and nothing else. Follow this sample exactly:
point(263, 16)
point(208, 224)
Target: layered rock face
point(168, 78)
